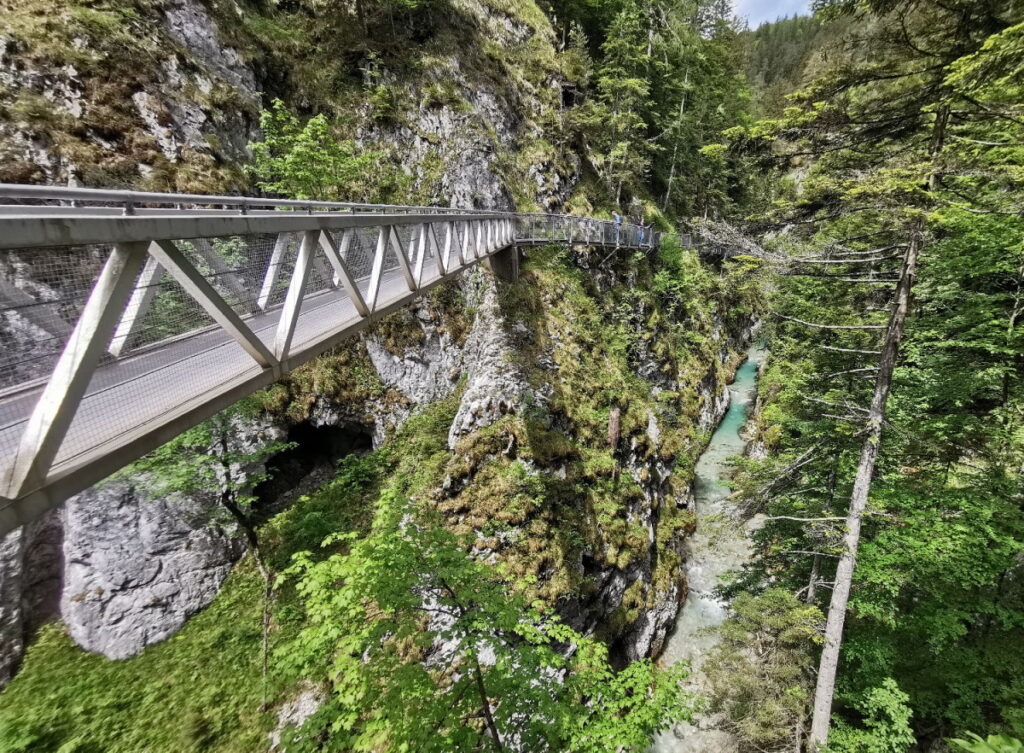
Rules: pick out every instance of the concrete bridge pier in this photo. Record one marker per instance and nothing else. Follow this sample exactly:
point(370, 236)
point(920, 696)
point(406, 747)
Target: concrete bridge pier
point(505, 264)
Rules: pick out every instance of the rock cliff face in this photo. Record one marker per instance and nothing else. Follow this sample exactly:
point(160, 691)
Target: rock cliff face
point(136, 568)
point(165, 95)
point(30, 586)
point(120, 98)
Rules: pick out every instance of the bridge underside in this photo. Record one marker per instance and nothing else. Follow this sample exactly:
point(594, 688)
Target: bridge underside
point(178, 327)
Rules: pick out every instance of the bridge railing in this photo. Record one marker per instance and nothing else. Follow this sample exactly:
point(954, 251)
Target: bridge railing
point(129, 316)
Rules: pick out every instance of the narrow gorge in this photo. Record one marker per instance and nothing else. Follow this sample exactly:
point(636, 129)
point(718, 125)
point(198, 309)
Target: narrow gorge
point(443, 376)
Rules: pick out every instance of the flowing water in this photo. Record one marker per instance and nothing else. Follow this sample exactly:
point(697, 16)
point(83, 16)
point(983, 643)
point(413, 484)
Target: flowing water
point(720, 544)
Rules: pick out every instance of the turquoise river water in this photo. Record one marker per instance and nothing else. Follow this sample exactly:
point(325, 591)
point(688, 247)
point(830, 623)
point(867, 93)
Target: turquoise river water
point(720, 545)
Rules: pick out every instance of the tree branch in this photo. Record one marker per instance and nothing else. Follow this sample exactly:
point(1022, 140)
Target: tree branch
point(831, 326)
point(851, 350)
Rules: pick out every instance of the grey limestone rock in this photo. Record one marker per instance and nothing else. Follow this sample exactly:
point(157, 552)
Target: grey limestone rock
point(495, 383)
point(30, 567)
point(138, 568)
point(423, 373)
point(11, 627)
point(293, 713)
point(190, 25)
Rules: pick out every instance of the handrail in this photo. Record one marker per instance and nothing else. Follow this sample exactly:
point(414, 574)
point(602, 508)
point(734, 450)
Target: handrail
point(113, 196)
point(130, 198)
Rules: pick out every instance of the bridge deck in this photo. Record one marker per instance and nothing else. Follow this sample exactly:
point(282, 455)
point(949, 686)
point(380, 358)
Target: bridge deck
point(95, 413)
point(187, 381)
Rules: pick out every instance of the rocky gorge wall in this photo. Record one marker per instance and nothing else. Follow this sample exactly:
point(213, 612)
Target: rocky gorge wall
point(166, 94)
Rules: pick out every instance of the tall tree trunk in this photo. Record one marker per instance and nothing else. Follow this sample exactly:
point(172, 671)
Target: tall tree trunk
point(859, 497)
point(229, 503)
point(486, 704)
point(675, 147)
point(829, 663)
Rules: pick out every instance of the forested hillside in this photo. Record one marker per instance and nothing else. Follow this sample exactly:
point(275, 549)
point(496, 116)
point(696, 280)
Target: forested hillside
point(783, 55)
point(892, 409)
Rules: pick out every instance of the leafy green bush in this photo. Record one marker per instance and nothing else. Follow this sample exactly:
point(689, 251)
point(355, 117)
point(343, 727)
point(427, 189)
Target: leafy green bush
point(886, 727)
point(417, 635)
point(309, 160)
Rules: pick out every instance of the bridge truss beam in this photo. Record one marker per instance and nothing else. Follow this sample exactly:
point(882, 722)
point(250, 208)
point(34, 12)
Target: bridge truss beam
point(196, 302)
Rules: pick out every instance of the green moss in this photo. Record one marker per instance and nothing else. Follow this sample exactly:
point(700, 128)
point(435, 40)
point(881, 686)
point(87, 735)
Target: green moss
point(166, 699)
point(343, 375)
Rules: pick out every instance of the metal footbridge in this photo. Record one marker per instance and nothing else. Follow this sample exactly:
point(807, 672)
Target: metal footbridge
point(128, 317)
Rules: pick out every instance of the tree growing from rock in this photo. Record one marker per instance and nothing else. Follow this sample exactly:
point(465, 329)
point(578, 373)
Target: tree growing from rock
point(425, 647)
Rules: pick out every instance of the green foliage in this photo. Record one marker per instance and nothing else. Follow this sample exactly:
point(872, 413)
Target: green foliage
point(760, 675)
point(992, 744)
point(341, 504)
point(167, 699)
point(622, 89)
point(786, 54)
point(886, 716)
point(207, 460)
point(310, 161)
point(416, 635)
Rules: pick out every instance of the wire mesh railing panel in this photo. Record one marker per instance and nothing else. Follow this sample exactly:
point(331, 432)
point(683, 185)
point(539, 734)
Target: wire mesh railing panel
point(143, 391)
point(171, 312)
point(42, 293)
point(324, 316)
point(361, 250)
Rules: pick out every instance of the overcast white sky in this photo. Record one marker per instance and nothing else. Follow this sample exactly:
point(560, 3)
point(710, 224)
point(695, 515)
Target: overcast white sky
point(759, 11)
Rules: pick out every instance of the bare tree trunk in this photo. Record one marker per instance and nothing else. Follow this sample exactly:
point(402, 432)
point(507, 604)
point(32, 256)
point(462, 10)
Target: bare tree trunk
point(827, 667)
point(812, 584)
point(859, 497)
point(486, 704)
point(614, 427)
point(229, 503)
point(675, 147)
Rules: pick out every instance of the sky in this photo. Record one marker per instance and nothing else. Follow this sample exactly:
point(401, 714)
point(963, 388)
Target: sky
point(759, 11)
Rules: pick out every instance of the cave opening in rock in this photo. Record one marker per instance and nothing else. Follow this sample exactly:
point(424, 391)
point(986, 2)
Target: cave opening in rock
point(309, 463)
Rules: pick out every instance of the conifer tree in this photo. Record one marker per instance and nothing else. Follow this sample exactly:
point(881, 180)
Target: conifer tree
point(879, 128)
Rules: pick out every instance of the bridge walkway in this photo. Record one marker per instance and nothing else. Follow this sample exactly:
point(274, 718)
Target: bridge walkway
point(197, 303)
